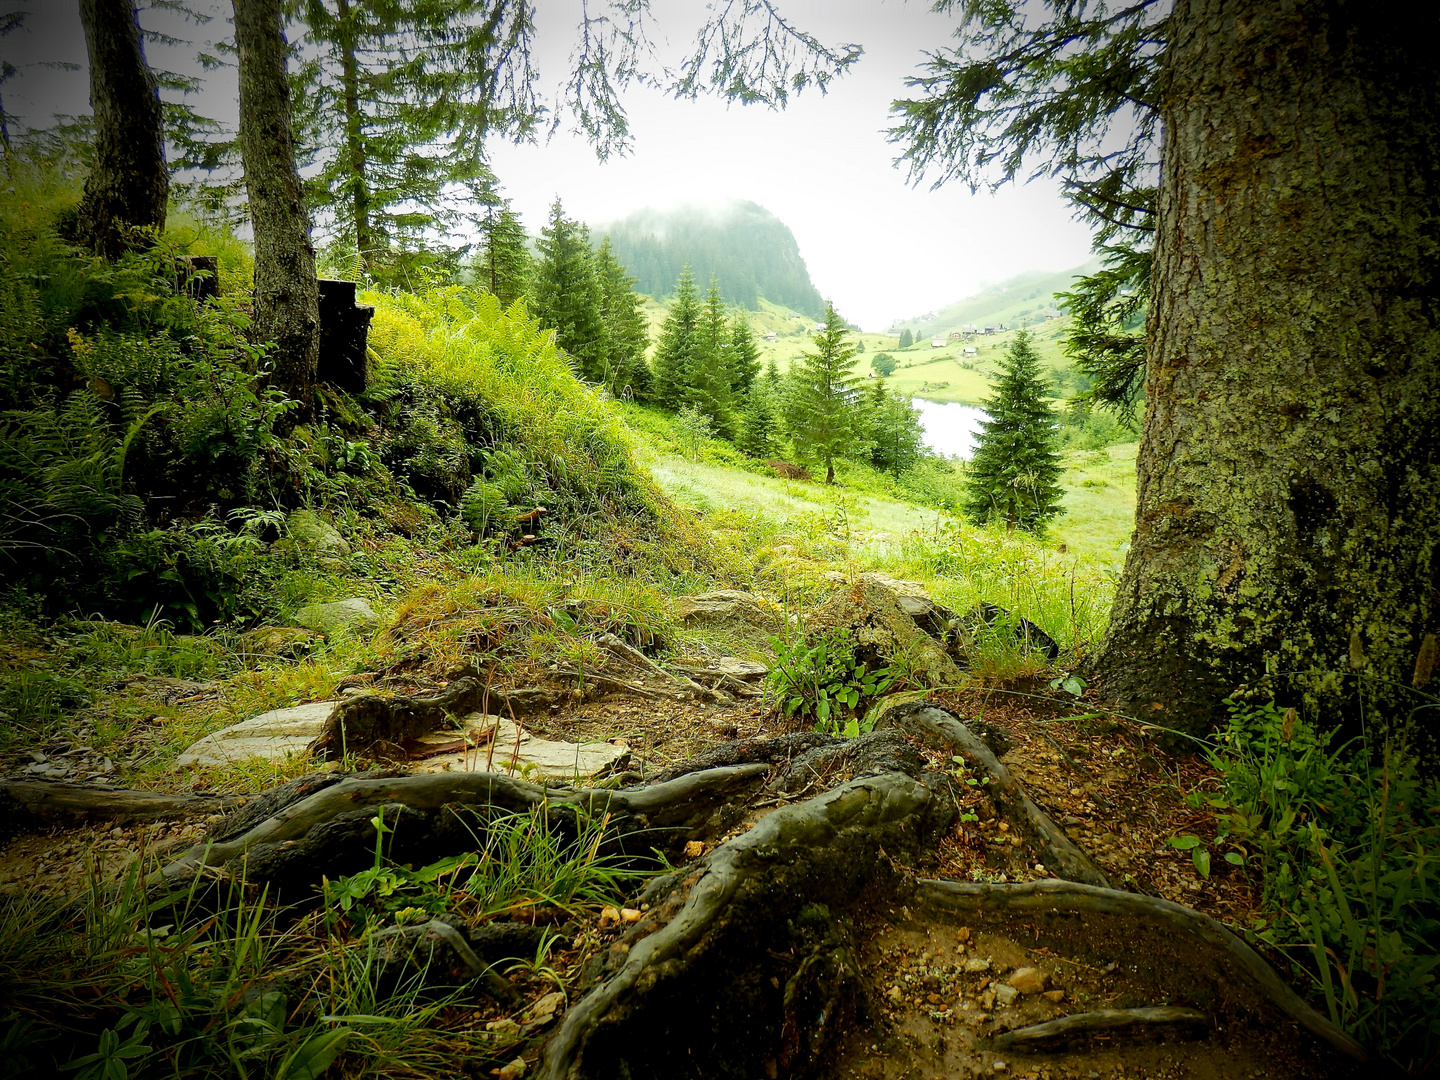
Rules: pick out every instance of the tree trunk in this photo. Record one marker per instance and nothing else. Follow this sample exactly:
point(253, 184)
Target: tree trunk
point(129, 183)
point(355, 138)
point(287, 296)
point(1287, 518)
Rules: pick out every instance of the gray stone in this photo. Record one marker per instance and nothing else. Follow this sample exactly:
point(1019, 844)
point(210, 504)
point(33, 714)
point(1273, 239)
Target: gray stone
point(731, 612)
point(286, 733)
point(1005, 995)
point(975, 965)
point(291, 641)
point(307, 531)
point(272, 736)
point(530, 756)
point(354, 614)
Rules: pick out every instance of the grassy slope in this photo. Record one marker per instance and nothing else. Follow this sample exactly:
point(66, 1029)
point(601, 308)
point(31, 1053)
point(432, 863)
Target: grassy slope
point(941, 374)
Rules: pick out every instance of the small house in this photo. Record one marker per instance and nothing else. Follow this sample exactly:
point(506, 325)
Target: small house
point(970, 351)
point(937, 343)
point(772, 336)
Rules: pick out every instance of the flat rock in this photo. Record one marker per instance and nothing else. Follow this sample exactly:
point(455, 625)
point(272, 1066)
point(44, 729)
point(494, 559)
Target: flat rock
point(353, 614)
point(273, 736)
point(731, 611)
point(286, 733)
point(529, 756)
point(731, 667)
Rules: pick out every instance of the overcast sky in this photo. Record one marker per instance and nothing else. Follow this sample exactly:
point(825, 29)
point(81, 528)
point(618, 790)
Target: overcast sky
point(880, 247)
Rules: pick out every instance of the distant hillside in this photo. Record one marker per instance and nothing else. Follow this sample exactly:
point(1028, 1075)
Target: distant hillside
point(751, 251)
point(1019, 302)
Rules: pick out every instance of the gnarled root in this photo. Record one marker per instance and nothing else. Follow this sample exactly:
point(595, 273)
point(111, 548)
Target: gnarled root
point(939, 728)
point(702, 969)
point(331, 831)
point(1205, 941)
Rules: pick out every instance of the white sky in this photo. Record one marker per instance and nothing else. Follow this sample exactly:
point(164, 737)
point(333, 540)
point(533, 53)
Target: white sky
point(880, 247)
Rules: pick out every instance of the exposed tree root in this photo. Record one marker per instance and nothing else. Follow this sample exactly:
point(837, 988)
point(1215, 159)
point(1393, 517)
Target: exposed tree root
point(1160, 1021)
point(755, 910)
point(1206, 940)
point(937, 727)
point(31, 804)
point(331, 832)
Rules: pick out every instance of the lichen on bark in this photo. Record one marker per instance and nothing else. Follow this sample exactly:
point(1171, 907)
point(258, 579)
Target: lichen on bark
point(1288, 491)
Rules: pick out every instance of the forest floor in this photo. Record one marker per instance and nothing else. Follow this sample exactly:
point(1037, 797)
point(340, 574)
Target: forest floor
point(932, 985)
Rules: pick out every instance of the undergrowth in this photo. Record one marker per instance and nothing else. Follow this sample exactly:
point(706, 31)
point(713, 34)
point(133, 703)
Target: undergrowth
point(1346, 839)
point(122, 983)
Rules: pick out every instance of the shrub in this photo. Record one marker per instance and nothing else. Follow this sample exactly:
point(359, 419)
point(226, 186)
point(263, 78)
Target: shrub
point(1348, 842)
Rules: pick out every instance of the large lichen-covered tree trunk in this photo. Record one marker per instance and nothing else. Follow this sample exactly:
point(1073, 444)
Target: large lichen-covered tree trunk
point(1288, 512)
point(287, 295)
point(129, 183)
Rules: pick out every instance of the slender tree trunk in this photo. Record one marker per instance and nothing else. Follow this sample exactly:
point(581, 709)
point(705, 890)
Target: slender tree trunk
point(1289, 504)
point(129, 184)
point(287, 297)
point(355, 138)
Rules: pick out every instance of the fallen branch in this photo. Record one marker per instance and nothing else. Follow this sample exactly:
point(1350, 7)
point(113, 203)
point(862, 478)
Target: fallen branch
point(1207, 938)
point(1160, 1021)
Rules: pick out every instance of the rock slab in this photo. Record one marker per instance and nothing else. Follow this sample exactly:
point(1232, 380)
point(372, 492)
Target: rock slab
point(286, 733)
point(273, 736)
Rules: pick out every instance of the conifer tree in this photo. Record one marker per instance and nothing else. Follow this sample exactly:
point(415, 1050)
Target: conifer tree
point(504, 265)
point(743, 356)
point(906, 339)
point(567, 293)
point(1014, 474)
point(824, 395)
point(715, 338)
point(892, 427)
point(678, 342)
point(626, 328)
point(393, 101)
point(760, 433)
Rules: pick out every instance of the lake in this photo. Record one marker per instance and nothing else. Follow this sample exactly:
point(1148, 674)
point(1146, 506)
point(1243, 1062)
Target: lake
point(949, 427)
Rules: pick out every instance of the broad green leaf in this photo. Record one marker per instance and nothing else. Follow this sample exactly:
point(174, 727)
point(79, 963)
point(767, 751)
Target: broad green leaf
point(1184, 843)
point(313, 1056)
point(1201, 858)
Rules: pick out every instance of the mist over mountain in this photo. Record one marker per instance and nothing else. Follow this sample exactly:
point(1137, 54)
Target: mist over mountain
point(749, 250)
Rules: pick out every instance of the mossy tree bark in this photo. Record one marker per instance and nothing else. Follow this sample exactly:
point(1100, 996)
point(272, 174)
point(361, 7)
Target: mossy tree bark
point(129, 183)
point(1288, 514)
point(287, 295)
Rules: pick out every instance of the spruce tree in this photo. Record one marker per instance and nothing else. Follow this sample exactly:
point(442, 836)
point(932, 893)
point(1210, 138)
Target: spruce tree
point(626, 328)
point(743, 356)
point(393, 101)
point(679, 340)
point(760, 420)
point(686, 371)
point(906, 339)
point(504, 265)
point(567, 294)
point(824, 395)
point(1014, 474)
point(715, 338)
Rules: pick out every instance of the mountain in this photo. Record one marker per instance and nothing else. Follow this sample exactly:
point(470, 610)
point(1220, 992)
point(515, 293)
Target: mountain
point(1023, 300)
point(750, 251)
